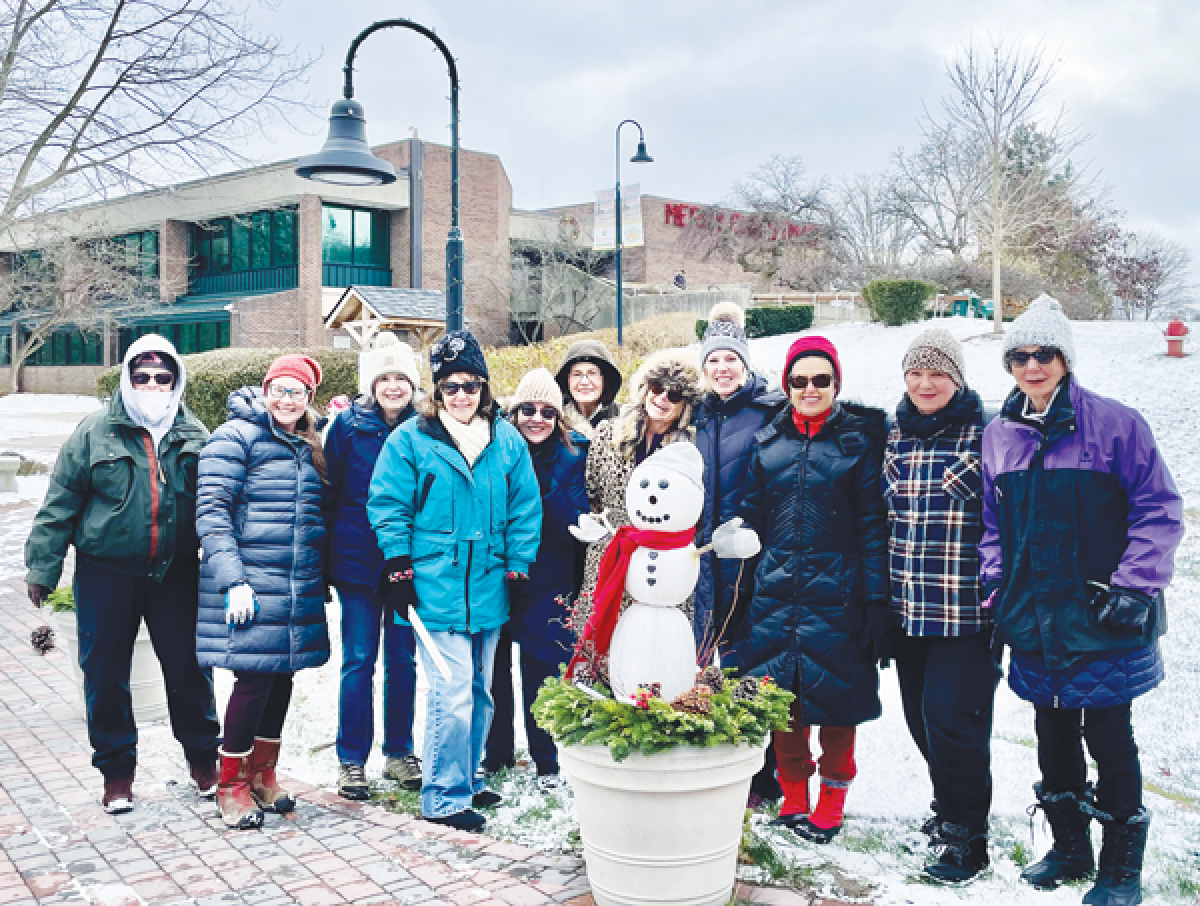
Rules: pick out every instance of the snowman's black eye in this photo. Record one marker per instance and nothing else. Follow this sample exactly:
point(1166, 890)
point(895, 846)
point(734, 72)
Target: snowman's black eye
point(664, 484)
point(645, 483)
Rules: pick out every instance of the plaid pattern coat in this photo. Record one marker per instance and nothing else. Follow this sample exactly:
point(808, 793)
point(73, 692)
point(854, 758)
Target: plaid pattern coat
point(933, 484)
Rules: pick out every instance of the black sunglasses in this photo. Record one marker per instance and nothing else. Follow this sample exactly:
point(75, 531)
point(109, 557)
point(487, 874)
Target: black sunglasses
point(800, 381)
point(159, 377)
point(529, 410)
point(657, 389)
point(1043, 356)
point(470, 388)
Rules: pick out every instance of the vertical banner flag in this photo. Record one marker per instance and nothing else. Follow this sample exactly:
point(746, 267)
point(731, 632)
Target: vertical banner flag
point(604, 224)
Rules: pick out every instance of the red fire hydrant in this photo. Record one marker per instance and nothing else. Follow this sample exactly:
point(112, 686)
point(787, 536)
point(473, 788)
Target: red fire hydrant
point(1175, 333)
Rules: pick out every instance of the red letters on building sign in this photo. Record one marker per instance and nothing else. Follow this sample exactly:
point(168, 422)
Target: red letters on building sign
point(681, 215)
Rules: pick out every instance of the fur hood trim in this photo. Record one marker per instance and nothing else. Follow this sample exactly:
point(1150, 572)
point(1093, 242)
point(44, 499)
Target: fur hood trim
point(675, 369)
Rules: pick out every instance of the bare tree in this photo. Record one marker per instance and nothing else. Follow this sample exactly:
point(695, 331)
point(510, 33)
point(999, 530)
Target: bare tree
point(996, 96)
point(564, 279)
point(1148, 270)
point(875, 236)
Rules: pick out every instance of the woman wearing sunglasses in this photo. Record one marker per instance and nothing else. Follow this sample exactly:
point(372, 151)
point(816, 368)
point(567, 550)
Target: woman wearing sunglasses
point(665, 392)
point(821, 588)
point(262, 586)
point(455, 505)
point(539, 625)
point(1081, 520)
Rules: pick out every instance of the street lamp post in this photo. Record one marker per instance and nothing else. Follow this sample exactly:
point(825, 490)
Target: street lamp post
point(641, 157)
point(346, 158)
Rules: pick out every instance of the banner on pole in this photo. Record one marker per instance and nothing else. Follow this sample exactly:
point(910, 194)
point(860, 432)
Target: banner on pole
point(604, 225)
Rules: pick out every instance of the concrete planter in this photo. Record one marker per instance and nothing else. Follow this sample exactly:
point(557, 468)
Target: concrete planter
point(146, 685)
point(9, 463)
point(661, 828)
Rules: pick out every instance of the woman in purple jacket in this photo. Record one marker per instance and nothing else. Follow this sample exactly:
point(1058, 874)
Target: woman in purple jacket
point(1081, 521)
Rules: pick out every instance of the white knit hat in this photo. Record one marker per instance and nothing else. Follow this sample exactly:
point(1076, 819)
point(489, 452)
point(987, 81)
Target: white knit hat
point(387, 355)
point(681, 458)
point(1042, 324)
point(539, 386)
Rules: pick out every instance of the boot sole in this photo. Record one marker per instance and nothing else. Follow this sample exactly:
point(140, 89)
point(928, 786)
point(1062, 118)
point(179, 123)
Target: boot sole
point(245, 822)
point(119, 807)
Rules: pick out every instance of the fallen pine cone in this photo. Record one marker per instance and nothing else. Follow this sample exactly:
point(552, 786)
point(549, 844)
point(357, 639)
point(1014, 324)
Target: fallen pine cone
point(42, 640)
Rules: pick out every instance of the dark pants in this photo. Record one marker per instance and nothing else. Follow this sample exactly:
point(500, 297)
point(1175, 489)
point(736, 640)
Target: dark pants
point(257, 707)
point(500, 742)
point(948, 687)
point(363, 621)
point(1109, 734)
point(110, 607)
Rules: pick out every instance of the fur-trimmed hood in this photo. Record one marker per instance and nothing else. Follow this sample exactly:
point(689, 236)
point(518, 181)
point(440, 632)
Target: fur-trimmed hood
point(675, 369)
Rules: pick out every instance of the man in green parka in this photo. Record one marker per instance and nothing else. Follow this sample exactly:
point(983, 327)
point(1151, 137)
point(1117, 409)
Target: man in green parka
point(123, 492)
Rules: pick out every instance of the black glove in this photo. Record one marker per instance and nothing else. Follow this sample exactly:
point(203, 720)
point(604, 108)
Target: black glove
point(37, 593)
point(877, 623)
point(518, 592)
point(1122, 610)
point(397, 587)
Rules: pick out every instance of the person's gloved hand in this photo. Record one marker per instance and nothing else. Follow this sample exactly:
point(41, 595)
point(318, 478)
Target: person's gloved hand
point(518, 591)
point(733, 541)
point(37, 593)
point(241, 604)
point(877, 623)
point(398, 588)
point(589, 530)
point(1124, 611)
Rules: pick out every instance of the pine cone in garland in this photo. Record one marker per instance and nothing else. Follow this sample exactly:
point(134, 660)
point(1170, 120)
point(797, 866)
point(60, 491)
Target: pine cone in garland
point(695, 701)
point(746, 689)
point(713, 678)
point(42, 640)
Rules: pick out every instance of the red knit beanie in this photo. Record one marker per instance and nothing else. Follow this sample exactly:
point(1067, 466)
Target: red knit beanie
point(812, 345)
point(307, 371)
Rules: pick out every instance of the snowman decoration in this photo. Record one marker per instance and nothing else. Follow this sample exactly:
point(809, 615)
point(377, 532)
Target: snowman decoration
point(656, 561)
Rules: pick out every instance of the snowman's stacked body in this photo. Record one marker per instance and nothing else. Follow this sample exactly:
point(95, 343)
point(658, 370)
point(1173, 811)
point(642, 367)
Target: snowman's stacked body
point(653, 641)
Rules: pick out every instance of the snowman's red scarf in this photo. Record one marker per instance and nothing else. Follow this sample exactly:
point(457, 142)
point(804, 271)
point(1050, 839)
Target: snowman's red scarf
point(610, 583)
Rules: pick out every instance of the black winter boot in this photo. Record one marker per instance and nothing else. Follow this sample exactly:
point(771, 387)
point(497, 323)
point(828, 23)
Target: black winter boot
point(964, 855)
point(1070, 858)
point(932, 826)
point(1119, 881)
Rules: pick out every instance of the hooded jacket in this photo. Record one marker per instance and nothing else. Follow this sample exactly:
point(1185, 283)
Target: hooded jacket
point(118, 499)
point(818, 508)
point(259, 519)
point(589, 350)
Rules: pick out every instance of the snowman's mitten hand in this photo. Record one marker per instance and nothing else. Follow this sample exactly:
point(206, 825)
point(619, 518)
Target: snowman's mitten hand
point(590, 529)
point(733, 541)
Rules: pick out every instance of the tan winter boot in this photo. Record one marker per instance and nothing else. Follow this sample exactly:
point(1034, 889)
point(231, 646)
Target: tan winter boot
point(237, 806)
point(263, 786)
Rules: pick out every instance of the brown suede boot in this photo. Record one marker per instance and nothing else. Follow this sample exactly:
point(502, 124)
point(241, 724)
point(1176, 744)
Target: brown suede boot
point(118, 795)
point(263, 785)
point(237, 806)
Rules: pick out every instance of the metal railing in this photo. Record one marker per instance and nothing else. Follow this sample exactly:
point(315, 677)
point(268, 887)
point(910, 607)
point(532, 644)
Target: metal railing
point(355, 275)
point(260, 280)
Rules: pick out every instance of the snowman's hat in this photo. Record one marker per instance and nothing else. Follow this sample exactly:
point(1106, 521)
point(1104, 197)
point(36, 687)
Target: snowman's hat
point(682, 458)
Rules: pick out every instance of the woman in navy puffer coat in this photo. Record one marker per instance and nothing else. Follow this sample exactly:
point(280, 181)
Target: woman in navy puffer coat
point(262, 591)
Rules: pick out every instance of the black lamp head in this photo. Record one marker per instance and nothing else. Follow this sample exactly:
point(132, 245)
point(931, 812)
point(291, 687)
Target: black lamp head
point(641, 157)
point(346, 158)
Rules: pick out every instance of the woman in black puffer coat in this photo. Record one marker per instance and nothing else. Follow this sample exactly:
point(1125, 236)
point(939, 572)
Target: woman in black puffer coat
point(262, 591)
point(821, 590)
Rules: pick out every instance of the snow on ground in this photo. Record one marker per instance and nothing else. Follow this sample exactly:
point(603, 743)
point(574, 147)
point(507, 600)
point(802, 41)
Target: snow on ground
point(879, 846)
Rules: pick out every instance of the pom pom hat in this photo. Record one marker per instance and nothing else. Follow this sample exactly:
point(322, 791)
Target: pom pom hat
point(307, 371)
point(725, 331)
point(809, 346)
point(1042, 324)
point(457, 351)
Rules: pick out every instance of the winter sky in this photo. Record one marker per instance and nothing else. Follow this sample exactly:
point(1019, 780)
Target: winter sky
point(721, 86)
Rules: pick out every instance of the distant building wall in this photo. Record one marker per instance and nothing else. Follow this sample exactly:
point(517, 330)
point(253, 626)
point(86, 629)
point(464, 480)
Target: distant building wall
point(274, 321)
point(54, 378)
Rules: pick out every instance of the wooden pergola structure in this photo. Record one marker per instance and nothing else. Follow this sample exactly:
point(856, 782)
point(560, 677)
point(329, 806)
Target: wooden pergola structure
point(363, 311)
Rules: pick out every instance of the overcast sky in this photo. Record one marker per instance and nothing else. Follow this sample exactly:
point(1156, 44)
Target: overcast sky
point(721, 86)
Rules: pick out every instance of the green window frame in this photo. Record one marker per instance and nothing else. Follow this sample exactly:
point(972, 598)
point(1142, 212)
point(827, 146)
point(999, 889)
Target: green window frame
point(356, 236)
point(243, 242)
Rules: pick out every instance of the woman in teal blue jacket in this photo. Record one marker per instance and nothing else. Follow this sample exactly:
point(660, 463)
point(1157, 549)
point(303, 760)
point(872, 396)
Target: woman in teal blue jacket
point(456, 506)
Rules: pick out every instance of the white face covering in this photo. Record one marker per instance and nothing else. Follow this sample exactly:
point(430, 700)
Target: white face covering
point(150, 409)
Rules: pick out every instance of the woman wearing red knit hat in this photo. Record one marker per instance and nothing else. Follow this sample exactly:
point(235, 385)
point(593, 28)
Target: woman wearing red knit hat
point(821, 588)
point(262, 591)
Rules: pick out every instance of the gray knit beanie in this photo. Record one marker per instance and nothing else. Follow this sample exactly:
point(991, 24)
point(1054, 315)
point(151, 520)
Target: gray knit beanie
point(1042, 324)
point(726, 331)
point(938, 349)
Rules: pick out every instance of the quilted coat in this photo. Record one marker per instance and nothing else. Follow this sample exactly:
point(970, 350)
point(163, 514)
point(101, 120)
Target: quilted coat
point(463, 526)
point(541, 628)
point(819, 511)
point(1085, 496)
point(725, 432)
point(352, 446)
point(258, 515)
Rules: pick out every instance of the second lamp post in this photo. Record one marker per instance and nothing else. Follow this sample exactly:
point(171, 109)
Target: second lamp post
point(641, 157)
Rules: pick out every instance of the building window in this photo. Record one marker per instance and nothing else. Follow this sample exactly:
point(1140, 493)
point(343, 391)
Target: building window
point(257, 241)
point(187, 338)
point(355, 236)
point(66, 347)
point(5, 349)
point(137, 253)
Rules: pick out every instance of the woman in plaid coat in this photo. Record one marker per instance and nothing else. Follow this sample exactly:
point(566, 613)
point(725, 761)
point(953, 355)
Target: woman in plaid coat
point(934, 489)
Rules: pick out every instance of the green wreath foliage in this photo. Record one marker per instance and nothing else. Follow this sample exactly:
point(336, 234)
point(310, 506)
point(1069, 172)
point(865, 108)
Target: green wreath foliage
point(573, 717)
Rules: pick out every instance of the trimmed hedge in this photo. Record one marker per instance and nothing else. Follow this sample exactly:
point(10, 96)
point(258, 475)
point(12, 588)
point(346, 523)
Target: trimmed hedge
point(212, 376)
point(896, 302)
point(771, 320)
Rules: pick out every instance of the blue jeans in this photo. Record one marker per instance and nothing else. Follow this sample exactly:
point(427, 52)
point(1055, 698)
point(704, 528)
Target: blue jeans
point(362, 619)
point(458, 713)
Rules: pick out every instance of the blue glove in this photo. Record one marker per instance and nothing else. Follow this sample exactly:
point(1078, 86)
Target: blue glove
point(241, 605)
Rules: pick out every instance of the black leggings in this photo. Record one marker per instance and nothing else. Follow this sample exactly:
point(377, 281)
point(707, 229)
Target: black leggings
point(257, 707)
point(1109, 735)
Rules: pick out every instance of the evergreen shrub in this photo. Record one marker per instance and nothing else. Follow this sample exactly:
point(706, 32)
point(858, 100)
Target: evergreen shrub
point(896, 302)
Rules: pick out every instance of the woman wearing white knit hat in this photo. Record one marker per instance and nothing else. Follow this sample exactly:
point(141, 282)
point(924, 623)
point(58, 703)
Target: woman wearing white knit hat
point(388, 380)
point(537, 624)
